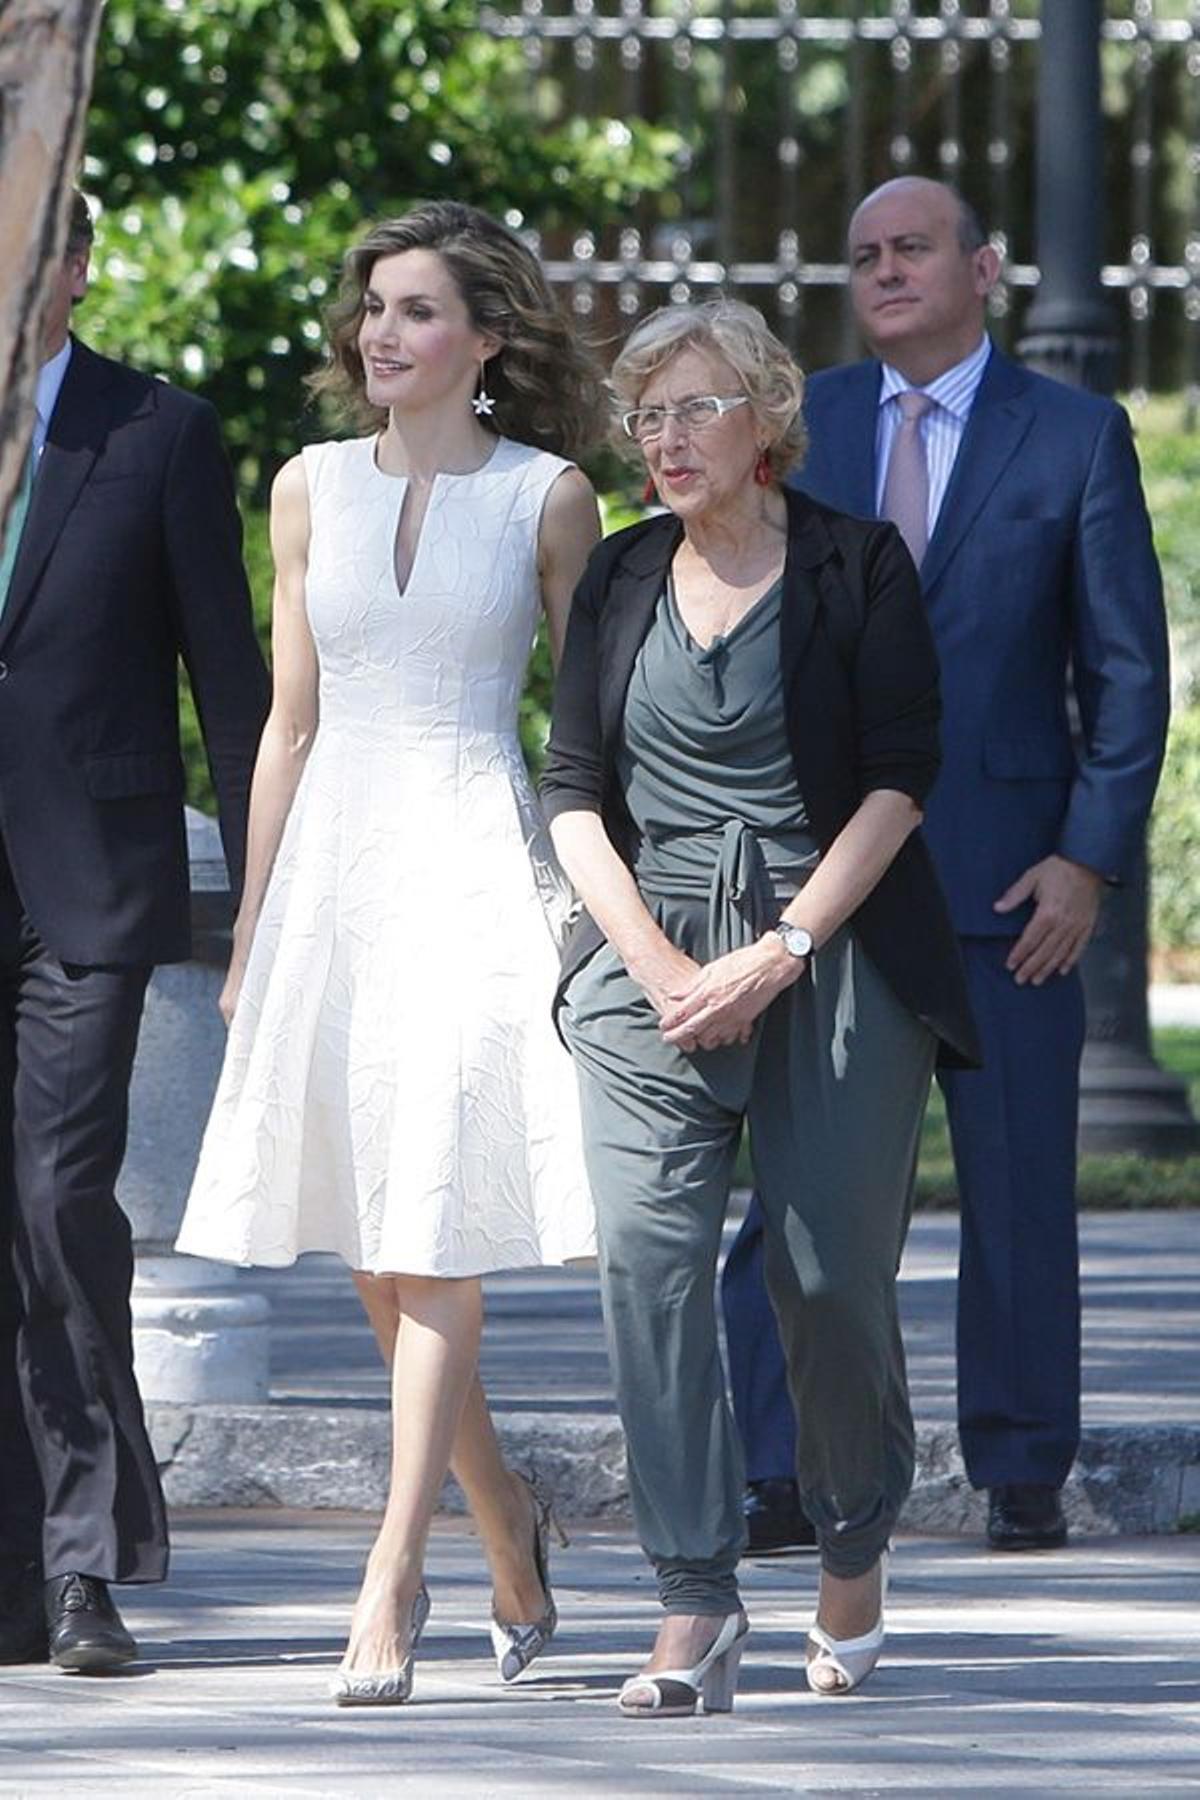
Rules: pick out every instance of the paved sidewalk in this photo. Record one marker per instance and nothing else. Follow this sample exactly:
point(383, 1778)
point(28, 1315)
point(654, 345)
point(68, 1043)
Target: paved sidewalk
point(1174, 1003)
point(1072, 1673)
point(543, 1346)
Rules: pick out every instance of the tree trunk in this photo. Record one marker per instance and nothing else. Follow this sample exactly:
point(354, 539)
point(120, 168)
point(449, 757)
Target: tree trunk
point(47, 50)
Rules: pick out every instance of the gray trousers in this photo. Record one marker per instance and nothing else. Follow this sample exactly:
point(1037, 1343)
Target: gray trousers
point(833, 1086)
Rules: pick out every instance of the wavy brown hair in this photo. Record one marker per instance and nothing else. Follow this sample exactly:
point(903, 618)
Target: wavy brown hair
point(547, 386)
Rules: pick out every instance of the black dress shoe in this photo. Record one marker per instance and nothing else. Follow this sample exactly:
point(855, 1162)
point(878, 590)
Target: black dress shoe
point(776, 1523)
point(85, 1627)
point(23, 1635)
point(1025, 1515)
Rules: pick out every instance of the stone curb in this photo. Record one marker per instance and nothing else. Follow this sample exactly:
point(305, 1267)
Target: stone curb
point(1135, 1480)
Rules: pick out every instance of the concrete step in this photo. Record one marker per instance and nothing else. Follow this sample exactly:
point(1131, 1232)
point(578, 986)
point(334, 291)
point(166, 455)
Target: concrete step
point(1128, 1480)
point(324, 1439)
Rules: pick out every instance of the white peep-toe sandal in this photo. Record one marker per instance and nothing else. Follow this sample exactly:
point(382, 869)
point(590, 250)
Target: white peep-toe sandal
point(849, 1660)
point(675, 1693)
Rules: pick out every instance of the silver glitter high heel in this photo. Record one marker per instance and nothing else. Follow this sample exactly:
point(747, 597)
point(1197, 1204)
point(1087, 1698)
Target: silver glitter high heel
point(384, 1687)
point(516, 1646)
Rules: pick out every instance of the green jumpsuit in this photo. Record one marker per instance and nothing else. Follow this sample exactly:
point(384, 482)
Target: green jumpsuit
point(833, 1085)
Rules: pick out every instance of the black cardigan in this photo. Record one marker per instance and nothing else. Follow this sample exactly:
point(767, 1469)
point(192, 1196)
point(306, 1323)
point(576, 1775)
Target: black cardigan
point(860, 681)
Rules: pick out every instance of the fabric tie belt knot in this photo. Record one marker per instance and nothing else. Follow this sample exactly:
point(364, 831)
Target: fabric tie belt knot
point(745, 876)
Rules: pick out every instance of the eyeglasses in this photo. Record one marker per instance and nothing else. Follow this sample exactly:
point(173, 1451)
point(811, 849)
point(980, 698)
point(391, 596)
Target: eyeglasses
point(646, 422)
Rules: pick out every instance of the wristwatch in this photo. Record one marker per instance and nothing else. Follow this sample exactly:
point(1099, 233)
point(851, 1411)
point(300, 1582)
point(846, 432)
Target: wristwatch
point(796, 940)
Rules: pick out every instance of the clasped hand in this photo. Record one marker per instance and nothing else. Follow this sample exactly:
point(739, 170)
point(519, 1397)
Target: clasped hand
point(703, 1007)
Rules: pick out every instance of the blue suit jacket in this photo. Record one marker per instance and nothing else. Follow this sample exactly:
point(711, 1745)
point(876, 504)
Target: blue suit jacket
point(1042, 557)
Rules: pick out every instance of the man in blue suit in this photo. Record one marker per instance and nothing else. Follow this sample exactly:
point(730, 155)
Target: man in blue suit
point(1021, 502)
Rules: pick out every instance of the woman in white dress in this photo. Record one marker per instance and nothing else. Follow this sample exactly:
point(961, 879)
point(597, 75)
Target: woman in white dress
point(393, 1089)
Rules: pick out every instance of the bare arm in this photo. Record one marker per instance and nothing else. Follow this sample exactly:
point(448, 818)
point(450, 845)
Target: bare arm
point(570, 528)
point(863, 850)
point(608, 890)
point(722, 1005)
point(292, 721)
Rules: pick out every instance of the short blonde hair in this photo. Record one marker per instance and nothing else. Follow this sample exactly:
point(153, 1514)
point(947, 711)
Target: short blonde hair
point(770, 377)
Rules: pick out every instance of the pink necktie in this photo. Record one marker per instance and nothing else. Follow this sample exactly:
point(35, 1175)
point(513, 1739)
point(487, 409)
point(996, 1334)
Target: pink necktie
point(906, 490)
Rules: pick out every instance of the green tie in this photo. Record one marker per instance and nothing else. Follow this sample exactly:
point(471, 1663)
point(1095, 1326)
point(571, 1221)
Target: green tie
point(15, 526)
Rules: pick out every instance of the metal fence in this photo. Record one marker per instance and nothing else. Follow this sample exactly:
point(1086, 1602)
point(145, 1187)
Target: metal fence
point(784, 119)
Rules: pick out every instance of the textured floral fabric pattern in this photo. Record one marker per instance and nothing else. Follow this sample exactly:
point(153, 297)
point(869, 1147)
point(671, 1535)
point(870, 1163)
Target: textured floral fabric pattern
point(393, 1088)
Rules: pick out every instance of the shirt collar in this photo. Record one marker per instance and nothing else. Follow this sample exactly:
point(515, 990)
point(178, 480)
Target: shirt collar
point(49, 385)
point(954, 389)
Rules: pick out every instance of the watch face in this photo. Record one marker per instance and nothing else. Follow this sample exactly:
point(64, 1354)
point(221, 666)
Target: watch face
point(796, 939)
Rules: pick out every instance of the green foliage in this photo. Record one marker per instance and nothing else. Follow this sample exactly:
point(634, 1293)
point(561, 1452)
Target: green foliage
point(1170, 457)
point(1178, 1047)
point(238, 146)
point(1171, 469)
point(1104, 1181)
point(1175, 840)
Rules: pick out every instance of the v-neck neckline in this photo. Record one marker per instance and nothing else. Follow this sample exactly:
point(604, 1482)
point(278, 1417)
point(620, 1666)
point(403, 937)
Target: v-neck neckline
point(403, 483)
point(722, 639)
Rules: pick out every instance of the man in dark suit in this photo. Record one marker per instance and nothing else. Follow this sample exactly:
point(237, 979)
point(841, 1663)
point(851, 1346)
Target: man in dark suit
point(1021, 502)
point(122, 553)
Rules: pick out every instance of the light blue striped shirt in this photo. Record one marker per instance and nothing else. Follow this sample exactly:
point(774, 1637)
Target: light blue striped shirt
point(51, 376)
point(941, 428)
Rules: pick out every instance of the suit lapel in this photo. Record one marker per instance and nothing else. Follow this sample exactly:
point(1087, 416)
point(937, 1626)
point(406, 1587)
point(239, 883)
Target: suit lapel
point(76, 433)
point(851, 443)
point(999, 420)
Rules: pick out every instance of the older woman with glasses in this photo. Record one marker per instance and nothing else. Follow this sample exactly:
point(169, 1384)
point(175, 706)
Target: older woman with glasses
point(744, 728)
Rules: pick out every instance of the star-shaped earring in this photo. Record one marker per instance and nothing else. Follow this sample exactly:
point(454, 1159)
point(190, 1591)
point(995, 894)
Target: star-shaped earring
point(483, 405)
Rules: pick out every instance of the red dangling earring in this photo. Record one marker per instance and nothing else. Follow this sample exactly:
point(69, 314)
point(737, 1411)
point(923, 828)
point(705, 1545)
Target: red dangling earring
point(762, 470)
point(649, 492)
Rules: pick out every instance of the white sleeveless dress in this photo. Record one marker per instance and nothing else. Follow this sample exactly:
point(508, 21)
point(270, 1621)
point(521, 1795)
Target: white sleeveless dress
point(393, 1088)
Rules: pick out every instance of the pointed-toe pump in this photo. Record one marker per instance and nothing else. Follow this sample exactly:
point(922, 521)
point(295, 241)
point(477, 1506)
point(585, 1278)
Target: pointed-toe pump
point(516, 1646)
point(384, 1687)
point(675, 1693)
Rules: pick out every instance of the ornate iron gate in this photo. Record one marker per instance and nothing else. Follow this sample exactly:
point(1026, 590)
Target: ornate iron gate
point(785, 118)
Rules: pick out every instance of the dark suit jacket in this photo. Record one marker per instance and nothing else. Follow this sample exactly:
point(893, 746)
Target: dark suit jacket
point(130, 558)
point(860, 686)
point(1042, 555)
